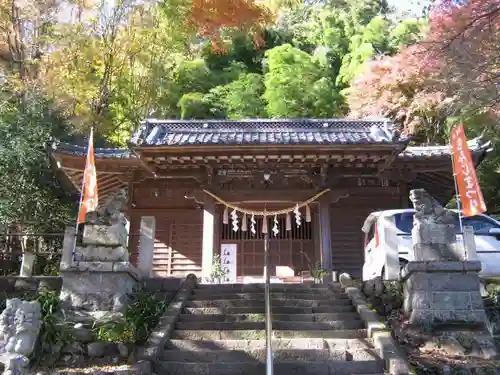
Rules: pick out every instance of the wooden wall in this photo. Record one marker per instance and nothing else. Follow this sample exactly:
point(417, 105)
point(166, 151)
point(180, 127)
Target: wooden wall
point(179, 227)
point(178, 241)
point(348, 216)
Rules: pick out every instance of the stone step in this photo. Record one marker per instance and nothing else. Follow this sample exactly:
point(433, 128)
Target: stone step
point(284, 343)
point(260, 317)
point(275, 310)
point(280, 289)
point(274, 287)
point(260, 296)
point(277, 325)
point(259, 355)
point(289, 367)
point(282, 302)
point(260, 334)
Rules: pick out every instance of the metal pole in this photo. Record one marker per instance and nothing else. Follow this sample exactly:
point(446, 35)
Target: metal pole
point(267, 297)
point(91, 138)
point(459, 202)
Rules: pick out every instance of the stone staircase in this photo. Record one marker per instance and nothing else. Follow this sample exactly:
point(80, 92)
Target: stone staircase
point(315, 331)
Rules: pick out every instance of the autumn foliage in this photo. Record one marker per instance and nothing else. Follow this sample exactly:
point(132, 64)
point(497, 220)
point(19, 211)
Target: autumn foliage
point(465, 40)
point(453, 69)
point(402, 88)
point(209, 17)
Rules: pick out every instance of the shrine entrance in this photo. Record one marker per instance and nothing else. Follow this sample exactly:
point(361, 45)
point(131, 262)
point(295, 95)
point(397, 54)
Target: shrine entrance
point(291, 250)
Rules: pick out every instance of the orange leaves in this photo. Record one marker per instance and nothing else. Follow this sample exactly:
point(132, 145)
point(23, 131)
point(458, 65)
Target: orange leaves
point(210, 16)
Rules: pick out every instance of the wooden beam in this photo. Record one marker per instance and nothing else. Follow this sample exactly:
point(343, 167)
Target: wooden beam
point(260, 196)
point(279, 149)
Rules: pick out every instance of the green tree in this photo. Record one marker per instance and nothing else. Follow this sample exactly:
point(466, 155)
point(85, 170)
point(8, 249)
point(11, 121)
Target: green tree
point(29, 190)
point(295, 84)
point(243, 98)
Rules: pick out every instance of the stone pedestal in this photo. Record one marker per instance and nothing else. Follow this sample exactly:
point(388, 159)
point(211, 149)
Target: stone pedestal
point(100, 276)
point(436, 241)
point(442, 293)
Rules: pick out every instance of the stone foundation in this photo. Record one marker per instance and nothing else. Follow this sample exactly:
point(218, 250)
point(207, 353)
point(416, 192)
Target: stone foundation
point(442, 293)
point(99, 277)
point(103, 288)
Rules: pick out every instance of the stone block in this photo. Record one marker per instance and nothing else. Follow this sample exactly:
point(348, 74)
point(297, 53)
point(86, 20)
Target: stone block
point(447, 281)
point(476, 300)
point(450, 301)
point(440, 266)
point(418, 281)
point(107, 235)
point(436, 252)
point(433, 233)
point(92, 253)
point(475, 317)
point(126, 267)
point(417, 300)
point(442, 293)
point(96, 291)
point(94, 266)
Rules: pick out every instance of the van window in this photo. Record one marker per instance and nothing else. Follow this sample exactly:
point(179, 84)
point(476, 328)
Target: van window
point(479, 223)
point(370, 234)
point(404, 221)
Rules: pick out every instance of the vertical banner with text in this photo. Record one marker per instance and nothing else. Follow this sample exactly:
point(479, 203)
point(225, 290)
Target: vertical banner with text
point(89, 198)
point(469, 191)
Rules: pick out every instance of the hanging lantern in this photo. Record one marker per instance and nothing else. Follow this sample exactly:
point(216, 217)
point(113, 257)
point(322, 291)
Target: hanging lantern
point(308, 214)
point(298, 215)
point(275, 226)
point(244, 223)
point(264, 225)
point(288, 222)
point(225, 216)
point(234, 219)
point(252, 225)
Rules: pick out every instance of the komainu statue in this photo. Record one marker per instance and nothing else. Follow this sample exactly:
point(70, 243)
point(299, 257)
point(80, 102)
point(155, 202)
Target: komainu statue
point(434, 229)
point(111, 212)
point(429, 210)
point(20, 324)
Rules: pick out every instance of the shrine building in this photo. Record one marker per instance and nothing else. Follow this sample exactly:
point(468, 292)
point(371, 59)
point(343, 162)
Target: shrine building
point(177, 173)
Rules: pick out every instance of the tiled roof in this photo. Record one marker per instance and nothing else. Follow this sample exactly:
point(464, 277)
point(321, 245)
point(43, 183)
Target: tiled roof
point(103, 153)
point(268, 132)
point(264, 132)
point(417, 152)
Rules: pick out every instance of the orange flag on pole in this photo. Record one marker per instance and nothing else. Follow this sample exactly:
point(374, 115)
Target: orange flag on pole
point(469, 191)
point(89, 195)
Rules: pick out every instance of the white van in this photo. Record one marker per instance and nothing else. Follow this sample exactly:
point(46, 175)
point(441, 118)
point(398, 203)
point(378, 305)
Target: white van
point(389, 232)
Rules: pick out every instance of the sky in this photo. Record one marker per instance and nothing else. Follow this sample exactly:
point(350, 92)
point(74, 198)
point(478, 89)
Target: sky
point(414, 7)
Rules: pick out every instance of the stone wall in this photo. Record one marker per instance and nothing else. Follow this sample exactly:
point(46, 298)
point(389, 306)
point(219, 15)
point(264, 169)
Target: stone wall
point(17, 286)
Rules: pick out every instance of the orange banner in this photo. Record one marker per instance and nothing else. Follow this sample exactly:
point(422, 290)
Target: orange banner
point(89, 200)
point(469, 191)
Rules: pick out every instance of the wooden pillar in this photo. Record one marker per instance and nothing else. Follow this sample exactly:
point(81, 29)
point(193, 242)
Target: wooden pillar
point(207, 251)
point(316, 233)
point(325, 236)
point(217, 228)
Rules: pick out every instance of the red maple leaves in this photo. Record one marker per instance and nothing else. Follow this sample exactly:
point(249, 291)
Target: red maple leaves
point(455, 67)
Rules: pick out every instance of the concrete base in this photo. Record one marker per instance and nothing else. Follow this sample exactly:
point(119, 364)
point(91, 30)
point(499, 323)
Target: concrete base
point(98, 286)
point(442, 293)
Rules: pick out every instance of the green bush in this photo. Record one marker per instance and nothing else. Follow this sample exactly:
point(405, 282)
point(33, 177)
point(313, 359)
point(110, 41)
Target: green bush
point(55, 331)
point(141, 316)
